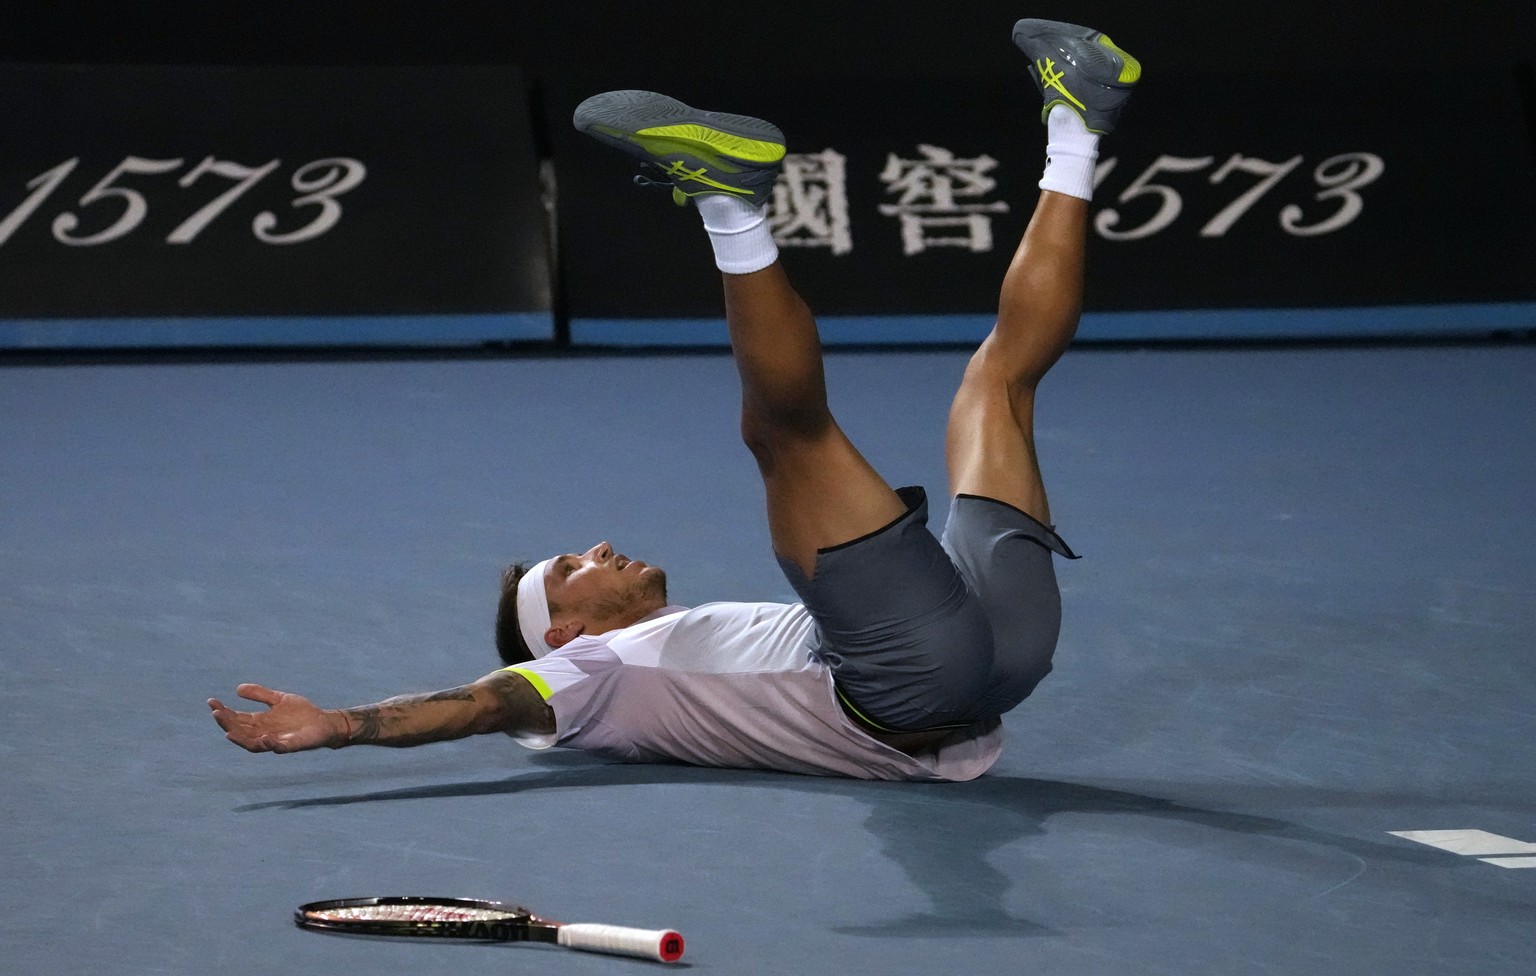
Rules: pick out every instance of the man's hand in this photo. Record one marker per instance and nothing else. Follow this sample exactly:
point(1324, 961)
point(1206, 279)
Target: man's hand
point(291, 723)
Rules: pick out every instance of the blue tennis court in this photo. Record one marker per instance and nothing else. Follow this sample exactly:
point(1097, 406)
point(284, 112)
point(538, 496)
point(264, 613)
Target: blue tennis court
point(1303, 623)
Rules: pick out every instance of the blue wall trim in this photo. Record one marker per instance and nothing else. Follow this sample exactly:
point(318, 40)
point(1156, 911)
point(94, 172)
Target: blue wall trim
point(1254, 323)
point(332, 330)
point(468, 330)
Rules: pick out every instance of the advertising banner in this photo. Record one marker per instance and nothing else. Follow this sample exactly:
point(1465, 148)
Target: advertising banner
point(189, 205)
point(1226, 206)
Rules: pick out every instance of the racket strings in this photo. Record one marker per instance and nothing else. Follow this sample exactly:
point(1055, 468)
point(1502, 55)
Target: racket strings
point(411, 913)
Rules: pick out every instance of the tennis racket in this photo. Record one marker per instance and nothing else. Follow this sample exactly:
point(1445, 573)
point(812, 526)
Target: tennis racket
point(485, 921)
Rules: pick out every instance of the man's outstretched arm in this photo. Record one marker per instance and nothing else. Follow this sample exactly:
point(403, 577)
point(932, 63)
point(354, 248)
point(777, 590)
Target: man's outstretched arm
point(498, 702)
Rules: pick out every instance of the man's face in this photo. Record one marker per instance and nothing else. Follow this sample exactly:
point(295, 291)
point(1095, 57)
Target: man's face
point(604, 589)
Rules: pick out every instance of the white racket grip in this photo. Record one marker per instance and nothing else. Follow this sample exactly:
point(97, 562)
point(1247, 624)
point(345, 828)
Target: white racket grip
point(662, 945)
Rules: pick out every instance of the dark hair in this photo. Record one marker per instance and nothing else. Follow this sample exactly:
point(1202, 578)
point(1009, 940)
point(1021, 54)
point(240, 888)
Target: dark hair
point(509, 638)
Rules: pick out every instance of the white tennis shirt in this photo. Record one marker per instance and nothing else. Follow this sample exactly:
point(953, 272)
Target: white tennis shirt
point(727, 684)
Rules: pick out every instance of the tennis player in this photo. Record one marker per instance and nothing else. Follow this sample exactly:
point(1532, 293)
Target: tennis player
point(905, 650)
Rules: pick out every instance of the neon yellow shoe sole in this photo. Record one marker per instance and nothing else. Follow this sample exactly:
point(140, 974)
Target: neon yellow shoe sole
point(697, 152)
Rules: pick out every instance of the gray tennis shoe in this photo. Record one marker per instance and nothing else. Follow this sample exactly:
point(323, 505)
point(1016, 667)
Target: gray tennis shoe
point(697, 152)
point(1079, 68)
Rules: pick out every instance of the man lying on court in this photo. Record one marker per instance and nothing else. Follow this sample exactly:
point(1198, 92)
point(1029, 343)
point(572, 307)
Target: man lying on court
point(905, 651)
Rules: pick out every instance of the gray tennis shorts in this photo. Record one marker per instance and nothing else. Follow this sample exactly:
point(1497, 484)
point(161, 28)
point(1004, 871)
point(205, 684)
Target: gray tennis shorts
point(920, 633)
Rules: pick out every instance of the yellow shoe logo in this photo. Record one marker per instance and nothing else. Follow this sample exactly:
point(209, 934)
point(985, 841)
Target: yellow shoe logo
point(682, 174)
point(1051, 78)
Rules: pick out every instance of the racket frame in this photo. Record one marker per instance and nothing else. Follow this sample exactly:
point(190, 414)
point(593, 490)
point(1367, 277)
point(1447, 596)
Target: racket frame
point(520, 925)
point(517, 925)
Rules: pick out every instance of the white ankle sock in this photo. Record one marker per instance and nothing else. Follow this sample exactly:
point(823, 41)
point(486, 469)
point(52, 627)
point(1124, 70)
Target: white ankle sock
point(1070, 153)
point(739, 231)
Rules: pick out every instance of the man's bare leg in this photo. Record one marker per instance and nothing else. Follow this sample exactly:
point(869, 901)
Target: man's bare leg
point(991, 441)
point(1085, 79)
point(821, 491)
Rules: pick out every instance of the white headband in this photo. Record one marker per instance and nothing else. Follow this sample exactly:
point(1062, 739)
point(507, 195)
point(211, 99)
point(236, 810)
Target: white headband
point(533, 609)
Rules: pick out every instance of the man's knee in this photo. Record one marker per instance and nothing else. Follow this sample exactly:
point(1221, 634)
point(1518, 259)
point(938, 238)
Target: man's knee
point(769, 434)
point(995, 369)
point(991, 402)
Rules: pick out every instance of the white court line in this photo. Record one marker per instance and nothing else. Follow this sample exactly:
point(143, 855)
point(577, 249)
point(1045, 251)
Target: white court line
point(1510, 862)
point(1474, 843)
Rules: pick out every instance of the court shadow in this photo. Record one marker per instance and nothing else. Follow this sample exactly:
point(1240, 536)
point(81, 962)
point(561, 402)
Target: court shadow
point(942, 835)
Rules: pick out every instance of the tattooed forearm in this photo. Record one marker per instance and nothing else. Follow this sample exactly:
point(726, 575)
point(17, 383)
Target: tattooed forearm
point(363, 723)
point(450, 694)
point(411, 720)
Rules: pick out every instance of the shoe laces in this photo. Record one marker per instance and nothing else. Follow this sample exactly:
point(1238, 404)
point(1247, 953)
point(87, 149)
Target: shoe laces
point(641, 179)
